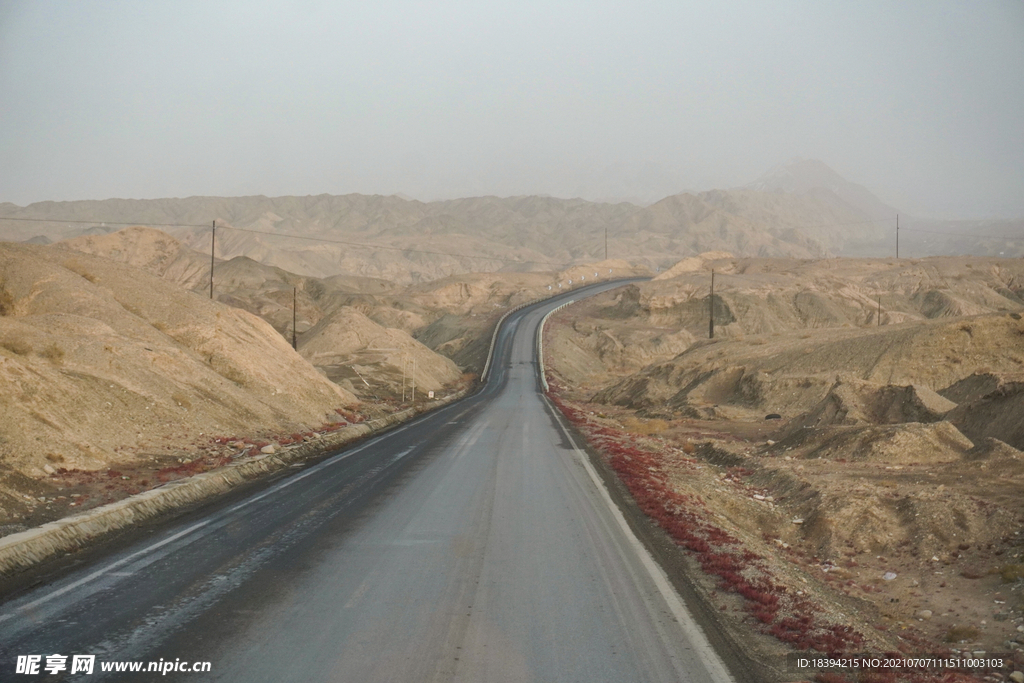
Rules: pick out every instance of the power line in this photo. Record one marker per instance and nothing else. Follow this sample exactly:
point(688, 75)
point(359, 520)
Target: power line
point(294, 236)
point(383, 246)
point(454, 255)
point(962, 234)
point(203, 225)
point(836, 225)
point(139, 223)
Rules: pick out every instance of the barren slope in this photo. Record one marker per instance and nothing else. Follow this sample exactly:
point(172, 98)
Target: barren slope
point(887, 488)
point(372, 360)
point(101, 360)
point(376, 234)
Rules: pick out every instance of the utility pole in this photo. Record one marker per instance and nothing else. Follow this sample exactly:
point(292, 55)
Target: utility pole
point(897, 236)
point(711, 306)
point(414, 380)
point(879, 320)
point(213, 246)
point(606, 243)
point(294, 298)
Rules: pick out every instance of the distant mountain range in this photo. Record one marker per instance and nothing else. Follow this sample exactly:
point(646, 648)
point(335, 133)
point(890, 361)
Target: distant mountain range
point(802, 209)
point(802, 176)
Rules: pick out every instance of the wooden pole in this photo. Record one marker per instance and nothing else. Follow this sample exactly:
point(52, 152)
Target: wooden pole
point(294, 298)
point(213, 246)
point(711, 307)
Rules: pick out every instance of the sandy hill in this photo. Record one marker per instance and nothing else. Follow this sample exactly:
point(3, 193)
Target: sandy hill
point(263, 290)
point(738, 221)
point(803, 210)
point(792, 373)
point(270, 292)
point(754, 296)
point(459, 311)
point(100, 361)
point(149, 249)
point(919, 237)
point(703, 262)
point(373, 360)
point(802, 176)
point(798, 324)
point(451, 315)
point(878, 467)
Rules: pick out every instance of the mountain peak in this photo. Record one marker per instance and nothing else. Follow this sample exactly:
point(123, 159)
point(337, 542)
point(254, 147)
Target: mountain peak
point(806, 175)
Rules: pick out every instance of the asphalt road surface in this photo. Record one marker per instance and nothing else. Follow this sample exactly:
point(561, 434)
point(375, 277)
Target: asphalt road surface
point(472, 544)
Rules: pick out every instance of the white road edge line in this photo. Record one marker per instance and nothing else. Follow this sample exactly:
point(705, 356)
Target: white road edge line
point(291, 480)
point(712, 662)
point(274, 489)
point(100, 572)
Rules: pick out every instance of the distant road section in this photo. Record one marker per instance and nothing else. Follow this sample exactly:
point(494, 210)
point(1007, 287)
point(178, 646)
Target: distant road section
point(473, 544)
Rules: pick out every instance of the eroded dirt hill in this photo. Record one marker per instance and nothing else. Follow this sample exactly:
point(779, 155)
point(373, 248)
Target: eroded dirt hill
point(101, 363)
point(451, 315)
point(877, 469)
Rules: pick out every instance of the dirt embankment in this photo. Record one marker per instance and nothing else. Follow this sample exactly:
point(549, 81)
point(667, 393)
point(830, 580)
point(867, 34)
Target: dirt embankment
point(879, 374)
point(367, 358)
point(759, 296)
point(875, 472)
point(451, 315)
point(104, 365)
point(118, 378)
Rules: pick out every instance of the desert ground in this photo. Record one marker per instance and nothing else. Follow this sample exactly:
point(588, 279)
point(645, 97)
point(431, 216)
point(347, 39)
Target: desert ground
point(854, 432)
point(801, 210)
point(121, 373)
point(841, 464)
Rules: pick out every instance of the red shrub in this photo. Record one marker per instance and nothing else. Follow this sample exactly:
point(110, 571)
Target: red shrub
point(684, 518)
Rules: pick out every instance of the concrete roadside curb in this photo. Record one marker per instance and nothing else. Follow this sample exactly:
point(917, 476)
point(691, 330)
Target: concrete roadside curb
point(657, 558)
point(519, 307)
point(540, 343)
point(26, 548)
point(497, 329)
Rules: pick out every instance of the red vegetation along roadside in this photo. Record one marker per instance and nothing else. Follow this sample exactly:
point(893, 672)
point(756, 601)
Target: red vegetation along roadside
point(789, 618)
point(773, 609)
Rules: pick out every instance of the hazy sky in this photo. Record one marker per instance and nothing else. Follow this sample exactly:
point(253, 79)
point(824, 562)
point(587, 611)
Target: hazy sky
point(922, 102)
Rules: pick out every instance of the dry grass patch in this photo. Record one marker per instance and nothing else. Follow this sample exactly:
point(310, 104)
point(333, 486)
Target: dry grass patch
point(645, 427)
point(53, 353)
point(962, 634)
point(6, 301)
point(76, 267)
point(1011, 573)
point(17, 346)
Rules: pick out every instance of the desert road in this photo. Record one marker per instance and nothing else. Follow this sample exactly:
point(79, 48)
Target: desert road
point(472, 544)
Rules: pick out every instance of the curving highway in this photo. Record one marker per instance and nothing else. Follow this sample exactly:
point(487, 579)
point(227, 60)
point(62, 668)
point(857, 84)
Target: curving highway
point(472, 544)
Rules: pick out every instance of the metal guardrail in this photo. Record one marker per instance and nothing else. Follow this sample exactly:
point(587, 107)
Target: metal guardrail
point(494, 336)
point(497, 326)
point(540, 343)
